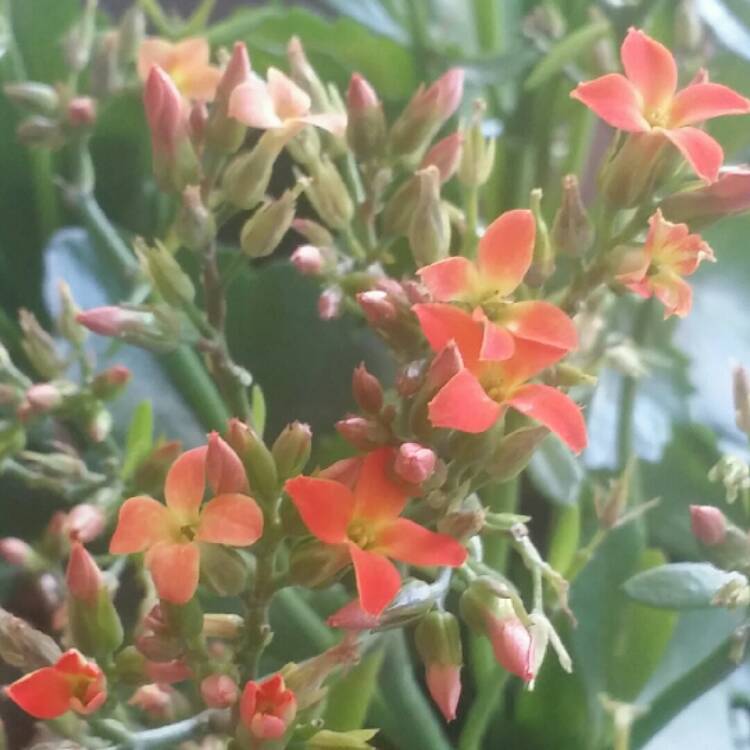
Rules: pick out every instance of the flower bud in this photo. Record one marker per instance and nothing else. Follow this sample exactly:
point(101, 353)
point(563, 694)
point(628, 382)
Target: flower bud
point(329, 195)
point(267, 708)
point(84, 523)
point(444, 366)
point(219, 691)
point(265, 229)
point(156, 700)
point(39, 346)
point(543, 262)
point(258, 460)
point(246, 178)
point(35, 98)
point(429, 229)
point(195, 225)
point(410, 378)
point(220, 625)
point(400, 207)
point(81, 112)
point(165, 274)
point(362, 433)
point(478, 156)
point(709, 524)
point(329, 303)
point(41, 398)
point(15, 551)
point(316, 234)
point(368, 393)
point(365, 128)
point(438, 642)
point(377, 307)
point(462, 524)
point(226, 134)
point(224, 569)
point(308, 260)
point(572, 232)
point(291, 450)
point(304, 75)
point(40, 131)
point(415, 463)
point(165, 673)
point(445, 155)
point(67, 324)
point(425, 114)
point(313, 564)
point(110, 383)
point(83, 577)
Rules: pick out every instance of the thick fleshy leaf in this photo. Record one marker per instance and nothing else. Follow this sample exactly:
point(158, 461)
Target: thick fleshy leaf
point(449, 279)
point(505, 251)
point(411, 543)
point(462, 404)
point(650, 67)
point(376, 495)
point(186, 481)
point(702, 152)
point(615, 100)
point(251, 104)
point(542, 322)
point(45, 693)
point(378, 580)
point(142, 522)
point(230, 519)
point(497, 343)
point(554, 410)
point(175, 569)
point(224, 470)
point(326, 506)
point(702, 101)
point(442, 324)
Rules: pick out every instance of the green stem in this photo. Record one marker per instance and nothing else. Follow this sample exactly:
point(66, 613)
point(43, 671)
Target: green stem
point(162, 737)
point(471, 211)
point(416, 11)
point(481, 712)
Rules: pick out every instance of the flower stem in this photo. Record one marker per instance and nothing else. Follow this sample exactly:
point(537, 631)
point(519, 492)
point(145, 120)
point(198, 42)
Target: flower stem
point(481, 712)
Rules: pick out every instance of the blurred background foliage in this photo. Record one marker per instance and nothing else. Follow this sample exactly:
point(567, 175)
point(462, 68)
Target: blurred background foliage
point(522, 57)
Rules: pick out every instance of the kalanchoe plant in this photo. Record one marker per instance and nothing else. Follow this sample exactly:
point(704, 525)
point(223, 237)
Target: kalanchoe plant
point(171, 571)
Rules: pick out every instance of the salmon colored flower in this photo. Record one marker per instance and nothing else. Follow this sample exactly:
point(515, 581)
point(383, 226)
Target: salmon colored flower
point(366, 520)
point(186, 62)
point(646, 100)
point(486, 383)
point(267, 708)
point(657, 269)
point(279, 103)
point(73, 683)
point(171, 535)
point(504, 255)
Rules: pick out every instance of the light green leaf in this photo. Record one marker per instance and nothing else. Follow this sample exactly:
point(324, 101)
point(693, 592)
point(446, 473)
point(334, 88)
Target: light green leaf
point(140, 438)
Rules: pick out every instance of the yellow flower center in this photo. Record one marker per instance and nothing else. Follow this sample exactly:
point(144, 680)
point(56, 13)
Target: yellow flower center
point(361, 533)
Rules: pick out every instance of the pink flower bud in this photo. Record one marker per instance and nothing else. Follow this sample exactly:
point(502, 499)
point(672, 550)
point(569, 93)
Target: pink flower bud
point(361, 433)
point(197, 124)
point(377, 307)
point(219, 691)
point(511, 644)
point(360, 96)
point(15, 551)
point(236, 72)
point(109, 320)
point(109, 383)
point(444, 684)
point(409, 378)
point(43, 397)
point(445, 155)
point(709, 524)
point(82, 112)
point(368, 393)
point(308, 260)
point(83, 577)
point(267, 708)
point(329, 303)
point(153, 699)
point(366, 126)
point(84, 522)
point(415, 463)
point(224, 469)
point(167, 672)
point(445, 365)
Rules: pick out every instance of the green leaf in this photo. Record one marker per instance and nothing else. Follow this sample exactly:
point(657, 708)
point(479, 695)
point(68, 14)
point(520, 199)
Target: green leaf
point(682, 585)
point(372, 15)
point(566, 51)
point(140, 438)
point(556, 472)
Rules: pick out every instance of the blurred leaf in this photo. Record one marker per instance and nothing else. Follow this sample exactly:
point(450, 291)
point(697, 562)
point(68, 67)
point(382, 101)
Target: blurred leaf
point(555, 472)
point(372, 15)
point(730, 29)
point(684, 585)
point(350, 696)
point(566, 536)
point(140, 437)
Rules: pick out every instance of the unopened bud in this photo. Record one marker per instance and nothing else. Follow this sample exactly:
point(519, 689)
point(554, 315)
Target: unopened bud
point(362, 433)
point(415, 463)
point(478, 155)
point(308, 260)
point(219, 691)
point(366, 128)
point(67, 324)
point(304, 75)
point(35, 98)
point(445, 365)
point(313, 564)
point(43, 397)
point(15, 551)
point(409, 379)
point(368, 393)
point(224, 570)
point(291, 450)
point(247, 177)
point(429, 229)
point(265, 229)
point(110, 383)
point(84, 523)
point(258, 460)
point(81, 112)
point(225, 134)
point(400, 207)
point(156, 700)
point(195, 225)
point(329, 195)
point(445, 155)
point(709, 524)
point(165, 274)
point(329, 303)
point(543, 262)
point(425, 113)
point(316, 234)
point(39, 346)
point(377, 307)
point(153, 327)
point(572, 232)
point(83, 577)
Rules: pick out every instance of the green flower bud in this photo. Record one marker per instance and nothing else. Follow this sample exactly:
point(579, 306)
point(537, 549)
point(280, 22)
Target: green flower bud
point(329, 195)
point(313, 564)
point(291, 451)
point(223, 569)
point(39, 346)
point(258, 460)
point(246, 178)
point(35, 98)
point(478, 155)
point(543, 263)
point(572, 232)
point(400, 207)
point(195, 225)
point(265, 229)
point(165, 274)
point(429, 229)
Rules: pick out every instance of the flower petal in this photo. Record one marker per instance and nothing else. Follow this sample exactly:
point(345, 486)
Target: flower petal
point(449, 279)
point(673, 292)
point(701, 151)
point(289, 100)
point(45, 693)
point(615, 100)
point(411, 543)
point(186, 481)
point(333, 122)
point(529, 359)
point(175, 569)
point(376, 495)
point(554, 410)
point(193, 51)
point(199, 82)
point(326, 506)
point(506, 250)
point(224, 470)
point(650, 67)
point(142, 522)
point(497, 343)
point(230, 519)
point(153, 51)
point(462, 404)
point(542, 322)
point(378, 580)
point(442, 324)
point(251, 104)
point(702, 101)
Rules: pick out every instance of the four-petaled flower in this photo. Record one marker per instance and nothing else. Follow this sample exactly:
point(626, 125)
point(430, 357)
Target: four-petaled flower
point(172, 534)
point(366, 520)
point(186, 62)
point(486, 384)
point(504, 255)
point(73, 683)
point(279, 103)
point(646, 100)
point(657, 268)
point(267, 708)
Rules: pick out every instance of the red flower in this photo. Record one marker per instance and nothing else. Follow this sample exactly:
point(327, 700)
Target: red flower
point(172, 534)
point(486, 382)
point(646, 100)
point(366, 520)
point(267, 708)
point(504, 256)
point(657, 268)
point(72, 684)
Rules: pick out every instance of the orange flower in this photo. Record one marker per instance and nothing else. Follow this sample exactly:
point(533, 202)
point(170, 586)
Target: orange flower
point(73, 683)
point(186, 63)
point(657, 268)
point(172, 534)
point(267, 708)
point(646, 100)
point(366, 520)
point(482, 382)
